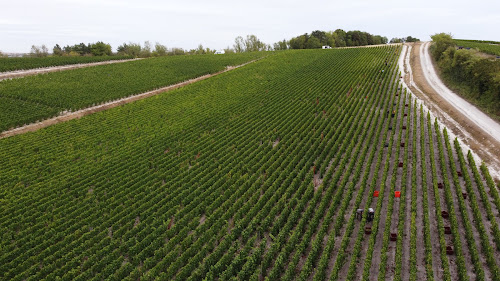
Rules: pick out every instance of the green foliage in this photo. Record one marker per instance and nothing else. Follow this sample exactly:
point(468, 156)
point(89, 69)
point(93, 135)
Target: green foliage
point(100, 49)
point(474, 77)
point(160, 50)
point(250, 44)
point(441, 42)
point(130, 49)
point(281, 45)
point(337, 38)
point(402, 40)
point(44, 96)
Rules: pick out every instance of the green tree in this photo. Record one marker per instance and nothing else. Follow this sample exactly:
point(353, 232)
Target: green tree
point(321, 36)
point(160, 50)
point(313, 43)
point(130, 49)
point(299, 42)
point(100, 49)
point(411, 39)
point(82, 49)
point(281, 45)
point(331, 38)
point(57, 50)
point(239, 44)
point(146, 50)
point(341, 40)
point(441, 42)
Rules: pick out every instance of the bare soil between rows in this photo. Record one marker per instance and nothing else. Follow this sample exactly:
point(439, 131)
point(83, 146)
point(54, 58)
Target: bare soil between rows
point(484, 145)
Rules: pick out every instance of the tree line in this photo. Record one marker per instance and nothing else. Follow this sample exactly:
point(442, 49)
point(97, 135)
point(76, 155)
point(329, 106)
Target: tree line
point(404, 39)
point(337, 38)
point(249, 44)
point(315, 40)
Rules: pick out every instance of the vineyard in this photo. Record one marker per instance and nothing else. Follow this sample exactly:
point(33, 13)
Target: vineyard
point(34, 98)
point(254, 174)
point(488, 47)
point(12, 64)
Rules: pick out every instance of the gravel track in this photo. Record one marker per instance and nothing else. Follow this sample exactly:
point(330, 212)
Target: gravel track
point(458, 115)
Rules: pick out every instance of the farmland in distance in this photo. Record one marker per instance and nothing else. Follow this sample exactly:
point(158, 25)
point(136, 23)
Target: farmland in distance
point(256, 174)
point(35, 98)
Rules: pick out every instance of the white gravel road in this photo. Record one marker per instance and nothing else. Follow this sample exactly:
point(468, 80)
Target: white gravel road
point(482, 120)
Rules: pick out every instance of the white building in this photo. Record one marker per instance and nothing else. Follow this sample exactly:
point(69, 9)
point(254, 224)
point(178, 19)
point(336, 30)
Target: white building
point(219, 52)
point(326, 47)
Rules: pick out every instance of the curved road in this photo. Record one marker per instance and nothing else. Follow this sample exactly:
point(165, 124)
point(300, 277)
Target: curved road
point(475, 129)
point(475, 116)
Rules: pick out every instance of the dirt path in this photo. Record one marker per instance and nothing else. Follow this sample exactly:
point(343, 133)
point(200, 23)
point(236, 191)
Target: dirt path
point(87, 111)
point(474, 128)
point(369, 46)
point(28, 72)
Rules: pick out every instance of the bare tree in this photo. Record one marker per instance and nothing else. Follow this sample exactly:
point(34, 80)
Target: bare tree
point(160, 50)
point(239, 44)
point(39, 51)
point(146, 50)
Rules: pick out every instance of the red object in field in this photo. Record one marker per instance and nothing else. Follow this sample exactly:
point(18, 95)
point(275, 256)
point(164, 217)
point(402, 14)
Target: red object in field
point(404, 127)
point(459, 173)
point(464, 194)
point(400, 164)
point(375, 194)
point(402, 144)
point(406, 105)
point(397, 194)
point(440, 185)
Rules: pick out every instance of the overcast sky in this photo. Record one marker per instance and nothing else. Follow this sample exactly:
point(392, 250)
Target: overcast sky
point(216, 23)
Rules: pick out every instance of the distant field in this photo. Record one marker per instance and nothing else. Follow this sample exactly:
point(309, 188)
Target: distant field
point(11, 64)
point(39, 97)
point(489, 47)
